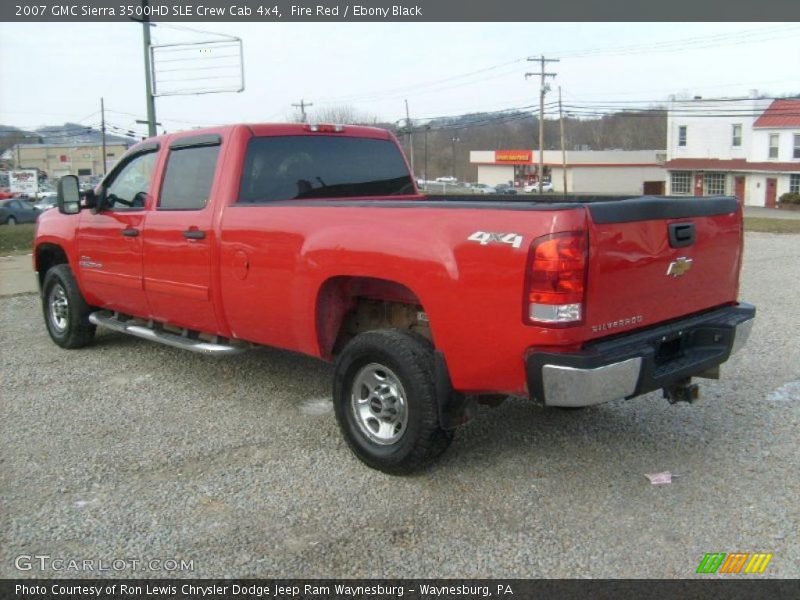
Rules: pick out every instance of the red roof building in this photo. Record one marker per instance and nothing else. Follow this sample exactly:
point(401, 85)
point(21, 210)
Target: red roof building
point(780, 114)
point(743, 147)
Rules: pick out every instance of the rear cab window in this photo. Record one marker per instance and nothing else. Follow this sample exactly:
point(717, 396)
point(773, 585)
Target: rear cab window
point(278, 168)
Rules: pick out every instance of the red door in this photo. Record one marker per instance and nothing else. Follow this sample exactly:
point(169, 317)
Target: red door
point(739, 188)
point(772, 185)
point(110, 241)
point(698, 184)
point(179, 238)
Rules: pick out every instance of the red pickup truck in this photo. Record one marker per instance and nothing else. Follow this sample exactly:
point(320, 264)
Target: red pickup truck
point(314, 238)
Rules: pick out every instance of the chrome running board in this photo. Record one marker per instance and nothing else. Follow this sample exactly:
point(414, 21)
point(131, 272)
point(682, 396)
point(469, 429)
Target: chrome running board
point(154, 332)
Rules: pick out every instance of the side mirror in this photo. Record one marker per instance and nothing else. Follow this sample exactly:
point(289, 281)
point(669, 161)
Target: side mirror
point(90, 199)
point(68, 195)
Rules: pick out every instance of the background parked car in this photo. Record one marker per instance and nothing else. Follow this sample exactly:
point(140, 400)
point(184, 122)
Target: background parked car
point(45, 204)
point(482, 188)
point(16, 211)
point(504, 188)
point(448, 179)
point(547, 186)
point(46, 192)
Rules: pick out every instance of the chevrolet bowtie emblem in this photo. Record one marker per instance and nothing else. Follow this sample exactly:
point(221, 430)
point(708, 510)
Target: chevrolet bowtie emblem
point(679, 266)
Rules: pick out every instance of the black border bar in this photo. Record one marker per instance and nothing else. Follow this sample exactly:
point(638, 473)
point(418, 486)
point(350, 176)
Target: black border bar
point(734, 587)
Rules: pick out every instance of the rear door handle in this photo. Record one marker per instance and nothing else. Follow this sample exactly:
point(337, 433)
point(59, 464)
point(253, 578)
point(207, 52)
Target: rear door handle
point(130, 232)
point(194, 234)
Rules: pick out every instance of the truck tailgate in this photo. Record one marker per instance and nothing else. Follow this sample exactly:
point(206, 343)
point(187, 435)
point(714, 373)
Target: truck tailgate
point(656, 259)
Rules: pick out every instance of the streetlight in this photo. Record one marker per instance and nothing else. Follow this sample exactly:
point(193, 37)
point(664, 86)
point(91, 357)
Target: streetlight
point(453, 164)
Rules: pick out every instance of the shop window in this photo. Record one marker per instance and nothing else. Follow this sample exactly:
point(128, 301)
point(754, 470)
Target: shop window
point(680, 182)
point(714, 184)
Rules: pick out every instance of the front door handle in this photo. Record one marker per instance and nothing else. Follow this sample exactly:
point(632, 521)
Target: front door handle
point(130, 232)
point(194, 234)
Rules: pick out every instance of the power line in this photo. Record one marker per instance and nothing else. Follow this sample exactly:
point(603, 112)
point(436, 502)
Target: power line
point(714, 40)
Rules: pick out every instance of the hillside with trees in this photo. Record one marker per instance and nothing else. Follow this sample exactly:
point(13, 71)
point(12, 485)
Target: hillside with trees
point(446, 137)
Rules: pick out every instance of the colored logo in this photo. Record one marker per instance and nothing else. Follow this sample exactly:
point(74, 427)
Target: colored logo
point(737, 562)
point(679, 266)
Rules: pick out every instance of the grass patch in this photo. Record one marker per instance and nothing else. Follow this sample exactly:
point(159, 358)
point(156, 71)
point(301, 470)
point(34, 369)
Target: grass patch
point(767, 225)
point(16, 239)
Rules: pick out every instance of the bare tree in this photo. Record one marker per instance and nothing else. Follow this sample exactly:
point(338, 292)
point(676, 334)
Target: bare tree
point(341, 114)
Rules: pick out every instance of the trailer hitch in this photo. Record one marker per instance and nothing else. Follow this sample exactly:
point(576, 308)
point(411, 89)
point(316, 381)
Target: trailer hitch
point(682, 391)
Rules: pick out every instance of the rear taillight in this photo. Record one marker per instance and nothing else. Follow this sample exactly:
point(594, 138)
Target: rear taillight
point(555, 287)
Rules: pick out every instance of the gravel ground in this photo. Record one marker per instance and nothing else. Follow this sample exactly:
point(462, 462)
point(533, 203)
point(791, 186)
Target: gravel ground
point(131, 449)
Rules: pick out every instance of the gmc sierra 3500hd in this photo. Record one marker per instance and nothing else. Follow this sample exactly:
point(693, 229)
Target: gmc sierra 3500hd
point(314, 238)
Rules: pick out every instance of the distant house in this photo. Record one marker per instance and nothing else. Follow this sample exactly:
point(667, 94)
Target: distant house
point(746, 147)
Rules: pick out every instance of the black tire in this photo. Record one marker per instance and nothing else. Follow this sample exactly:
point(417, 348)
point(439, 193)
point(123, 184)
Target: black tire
point(408, 358)
point(68, 322)
point(12, 220)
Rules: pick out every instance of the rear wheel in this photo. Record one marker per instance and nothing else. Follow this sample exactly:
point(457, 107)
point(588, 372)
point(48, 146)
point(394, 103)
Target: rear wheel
point(65, 311)
point(385, 401)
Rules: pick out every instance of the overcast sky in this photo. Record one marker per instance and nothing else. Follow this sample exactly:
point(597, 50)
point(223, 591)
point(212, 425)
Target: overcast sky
point(52, 73)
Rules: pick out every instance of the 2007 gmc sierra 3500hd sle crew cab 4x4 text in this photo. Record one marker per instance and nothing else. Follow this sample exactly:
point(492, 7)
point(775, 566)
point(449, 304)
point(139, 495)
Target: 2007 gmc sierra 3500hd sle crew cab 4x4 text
point(314, 238)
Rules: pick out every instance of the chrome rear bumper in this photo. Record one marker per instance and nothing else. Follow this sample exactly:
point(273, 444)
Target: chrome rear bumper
point(643, 361)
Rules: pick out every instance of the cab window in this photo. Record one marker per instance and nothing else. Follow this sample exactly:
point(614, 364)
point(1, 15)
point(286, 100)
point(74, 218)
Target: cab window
point(130, 186)
point(190, 174)
point(305, 167)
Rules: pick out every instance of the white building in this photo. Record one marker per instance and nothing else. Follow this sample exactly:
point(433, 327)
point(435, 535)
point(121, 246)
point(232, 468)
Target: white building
point(588, 171)
point(749, 148)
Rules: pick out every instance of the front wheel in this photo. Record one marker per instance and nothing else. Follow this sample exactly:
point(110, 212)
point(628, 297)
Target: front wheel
point(385, 401)
point(65, 311)
point(12, 220)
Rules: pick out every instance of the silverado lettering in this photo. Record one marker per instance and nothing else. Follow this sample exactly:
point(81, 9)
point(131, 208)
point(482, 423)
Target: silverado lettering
point(315, 239)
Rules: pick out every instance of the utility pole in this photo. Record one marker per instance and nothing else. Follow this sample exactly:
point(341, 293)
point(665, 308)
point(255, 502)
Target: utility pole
point(151, 102)
point(103, 132)
point(425, 172)
point(302, 106)
point(410, 140)
point(563, 150)
point(542, 91)
point(140, 122)
point(455, 140)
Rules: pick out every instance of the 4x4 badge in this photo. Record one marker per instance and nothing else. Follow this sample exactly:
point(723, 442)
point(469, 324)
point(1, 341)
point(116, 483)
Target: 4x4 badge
point(679, 266)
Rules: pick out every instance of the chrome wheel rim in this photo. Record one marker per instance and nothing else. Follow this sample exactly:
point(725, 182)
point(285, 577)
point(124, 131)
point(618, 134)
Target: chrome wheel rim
point(379, 404)
point(59, 308)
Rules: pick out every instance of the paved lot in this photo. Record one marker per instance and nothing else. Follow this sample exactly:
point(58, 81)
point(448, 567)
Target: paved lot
point(17, 275)
point(135, 450)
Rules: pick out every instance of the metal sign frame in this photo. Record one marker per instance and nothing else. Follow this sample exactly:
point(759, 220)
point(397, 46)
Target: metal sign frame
point(231, 42)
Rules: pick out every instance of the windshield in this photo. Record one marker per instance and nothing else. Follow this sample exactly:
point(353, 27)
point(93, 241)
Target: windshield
point(311, 166)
